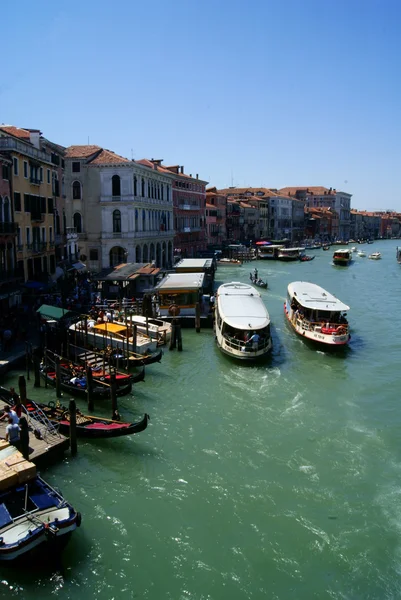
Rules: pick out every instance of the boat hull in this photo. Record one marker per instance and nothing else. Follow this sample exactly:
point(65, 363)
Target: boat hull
point(244, 353)
point(45, 527)
point(331, 340)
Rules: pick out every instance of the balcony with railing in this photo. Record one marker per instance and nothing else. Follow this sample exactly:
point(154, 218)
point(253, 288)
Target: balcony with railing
point(8, 228)
point(35, 180)
point(71, 233)
point(7, 143)
point(189, 207)
point(188, 229)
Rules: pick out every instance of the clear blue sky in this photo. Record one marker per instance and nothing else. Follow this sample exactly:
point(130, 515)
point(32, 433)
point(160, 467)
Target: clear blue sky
point(301, 92)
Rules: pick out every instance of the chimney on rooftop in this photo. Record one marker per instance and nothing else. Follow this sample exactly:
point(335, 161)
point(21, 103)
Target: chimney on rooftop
point(34, 137)
point(197, 176)
point(182, 170)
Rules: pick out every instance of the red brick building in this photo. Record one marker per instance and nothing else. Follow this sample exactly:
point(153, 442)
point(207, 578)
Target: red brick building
point(189, 212)
point(216, 208)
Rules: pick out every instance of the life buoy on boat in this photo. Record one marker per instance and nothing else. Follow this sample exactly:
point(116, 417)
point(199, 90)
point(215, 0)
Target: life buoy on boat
point(340, 330)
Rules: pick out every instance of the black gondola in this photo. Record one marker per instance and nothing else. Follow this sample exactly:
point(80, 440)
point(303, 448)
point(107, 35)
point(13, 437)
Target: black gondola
point(87, 426)
point(78, 388)
point(135, 360)
point(257, 281)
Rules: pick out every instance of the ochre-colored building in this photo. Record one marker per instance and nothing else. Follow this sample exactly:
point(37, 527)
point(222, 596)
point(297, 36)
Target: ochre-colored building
point(33, 201)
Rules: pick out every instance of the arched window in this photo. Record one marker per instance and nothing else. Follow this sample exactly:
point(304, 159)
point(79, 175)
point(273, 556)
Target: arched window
point(168, 194)
point(7, 215)
point(136, 220)
point(143, 221)
point(1, 209)
point(143, 188)
point(78, 222)
point(76, 190)
point(116, 221)
point(148, 189)
point(162, 186)
point(116, 185)
point(135, 185)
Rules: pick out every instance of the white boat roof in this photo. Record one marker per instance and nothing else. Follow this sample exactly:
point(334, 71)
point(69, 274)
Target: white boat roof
point(194, 263)
point(342, 251)
point(315, 297)
point(241, 306)
point(270, 246)
point(185, 281)
point(291, 249)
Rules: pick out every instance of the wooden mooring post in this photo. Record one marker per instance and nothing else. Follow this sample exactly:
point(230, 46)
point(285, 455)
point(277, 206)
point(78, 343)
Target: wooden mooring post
point(27, 360)
point(58, 376)
point(89, 388)
point(134, 336)
point(113, 395)
point(197, 317)
point(73, 427)
point(179, 336)
point(36, 369)
point(22, 389)
point(172, 344)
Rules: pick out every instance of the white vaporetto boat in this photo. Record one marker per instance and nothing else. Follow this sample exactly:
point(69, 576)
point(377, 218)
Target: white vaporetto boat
point(242, 323)
point(342, 258)
point(288, 254)
point(316, 314)
point(375, 256)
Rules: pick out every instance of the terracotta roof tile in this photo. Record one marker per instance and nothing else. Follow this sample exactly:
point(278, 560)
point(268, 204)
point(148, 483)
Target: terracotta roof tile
point(314, 190)
point(16, 132)
point(81, 151)
point(268, 193)
point(148, 163)
point(106, 157)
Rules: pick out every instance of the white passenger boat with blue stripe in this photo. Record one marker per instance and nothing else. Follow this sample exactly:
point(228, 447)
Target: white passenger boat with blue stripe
point(242, 322)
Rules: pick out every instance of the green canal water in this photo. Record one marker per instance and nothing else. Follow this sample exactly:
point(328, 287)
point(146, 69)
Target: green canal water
point(274, 481)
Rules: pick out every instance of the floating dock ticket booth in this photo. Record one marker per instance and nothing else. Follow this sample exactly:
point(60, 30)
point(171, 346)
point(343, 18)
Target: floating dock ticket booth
point(199, 265)
point(184, 290)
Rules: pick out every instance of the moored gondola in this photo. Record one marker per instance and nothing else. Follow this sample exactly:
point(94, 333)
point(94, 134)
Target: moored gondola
point(88, 426)
point(76, 385)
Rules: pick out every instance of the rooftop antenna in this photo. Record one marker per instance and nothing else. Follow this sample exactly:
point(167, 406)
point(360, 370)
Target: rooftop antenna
point(232, 179)
point(88, 140)
point(132, 154)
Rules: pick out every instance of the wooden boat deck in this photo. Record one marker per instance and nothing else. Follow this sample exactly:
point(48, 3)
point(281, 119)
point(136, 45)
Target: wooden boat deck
point(43, 451)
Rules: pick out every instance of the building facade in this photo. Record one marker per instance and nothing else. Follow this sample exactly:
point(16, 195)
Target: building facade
point(9, 275)
point(189, 202)
point(216, 209)
point(122, 210)
point(33, 200)
point(322, 197)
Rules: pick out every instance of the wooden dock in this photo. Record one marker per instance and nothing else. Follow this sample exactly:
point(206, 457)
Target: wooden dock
point(42, 451)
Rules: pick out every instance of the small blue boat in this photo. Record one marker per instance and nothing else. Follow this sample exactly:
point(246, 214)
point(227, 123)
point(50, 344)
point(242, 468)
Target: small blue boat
point(34, 517)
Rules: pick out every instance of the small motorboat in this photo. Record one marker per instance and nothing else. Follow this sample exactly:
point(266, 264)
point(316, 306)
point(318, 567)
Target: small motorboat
point(34, 517)
point(306, 258)
point(375, 256)
point(354, 249)
point(361, 253)
point(229, 262)
point(326, 248)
